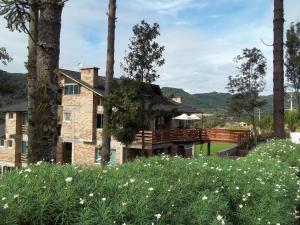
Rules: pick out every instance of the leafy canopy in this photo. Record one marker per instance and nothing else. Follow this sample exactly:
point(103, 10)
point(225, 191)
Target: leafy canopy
point(145, 54)
point(248, 82)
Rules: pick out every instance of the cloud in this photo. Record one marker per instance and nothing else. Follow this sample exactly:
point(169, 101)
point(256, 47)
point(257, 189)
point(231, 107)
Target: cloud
point(201, 37)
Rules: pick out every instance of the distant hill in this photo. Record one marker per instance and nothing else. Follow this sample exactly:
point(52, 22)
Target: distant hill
point(13, 87)
point(215, 102)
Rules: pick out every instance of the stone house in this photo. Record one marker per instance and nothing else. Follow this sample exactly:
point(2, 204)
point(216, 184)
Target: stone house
point(81, 122)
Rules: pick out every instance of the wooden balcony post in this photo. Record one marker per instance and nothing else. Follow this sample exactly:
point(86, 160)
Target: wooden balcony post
point(208, 148)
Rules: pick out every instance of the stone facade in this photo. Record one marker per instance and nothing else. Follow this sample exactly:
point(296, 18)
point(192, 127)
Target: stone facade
point(80, 138)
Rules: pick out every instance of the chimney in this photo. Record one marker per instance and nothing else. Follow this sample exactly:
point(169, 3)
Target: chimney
point(89, 75)
point(176, 99)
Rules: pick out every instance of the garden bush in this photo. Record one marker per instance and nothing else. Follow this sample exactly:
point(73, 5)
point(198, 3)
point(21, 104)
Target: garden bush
point(206, 191)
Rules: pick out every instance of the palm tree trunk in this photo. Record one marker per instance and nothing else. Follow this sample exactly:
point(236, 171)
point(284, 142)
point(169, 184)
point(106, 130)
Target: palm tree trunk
point(31, 77)
point(278, 79)
point(105, 153)
point(46, 130)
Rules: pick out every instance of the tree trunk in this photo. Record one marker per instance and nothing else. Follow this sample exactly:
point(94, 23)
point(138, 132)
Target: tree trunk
point(278, 79)
point(31, 77)
point(105, 153)
point(298, 101)
point(46, 130)
point(143, 128)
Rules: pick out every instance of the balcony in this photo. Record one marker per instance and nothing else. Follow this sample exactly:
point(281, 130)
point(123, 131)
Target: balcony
point(24, 158)
point(191, 135)
point(24, 129)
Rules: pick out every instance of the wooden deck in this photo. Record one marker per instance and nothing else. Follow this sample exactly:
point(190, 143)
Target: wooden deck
point(192, 135)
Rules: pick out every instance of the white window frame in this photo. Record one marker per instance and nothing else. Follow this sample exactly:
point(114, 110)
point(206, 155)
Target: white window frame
point(2, 146)
point(10, 141)
point(66, 119)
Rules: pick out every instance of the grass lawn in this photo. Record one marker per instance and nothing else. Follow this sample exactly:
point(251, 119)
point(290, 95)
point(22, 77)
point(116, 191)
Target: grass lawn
point(214, 148)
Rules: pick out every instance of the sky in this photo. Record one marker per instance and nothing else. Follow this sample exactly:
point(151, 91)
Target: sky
point(201, 37)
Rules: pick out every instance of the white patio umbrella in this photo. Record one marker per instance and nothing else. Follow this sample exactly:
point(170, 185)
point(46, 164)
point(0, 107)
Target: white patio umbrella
point(194, 117)
point(183, 117)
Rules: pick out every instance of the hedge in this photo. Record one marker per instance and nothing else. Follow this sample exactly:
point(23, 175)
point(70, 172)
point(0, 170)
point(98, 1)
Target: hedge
point(261, 189)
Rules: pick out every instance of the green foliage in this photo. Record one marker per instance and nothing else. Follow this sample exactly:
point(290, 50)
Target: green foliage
point(292, 56)
point(4, 56)
point(291, 120)
point(249, 81)
point(13, 88)
point(125, 117)
point(266, 124)
point(145, 54)
point(247, 84)
point(16, 14)
point(260, 189)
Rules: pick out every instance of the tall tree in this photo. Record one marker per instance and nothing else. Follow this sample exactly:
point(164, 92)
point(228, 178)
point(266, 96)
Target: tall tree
point(292, 56)
point(278, 73)
point(142, 61)
point(248, 83)
point(32, 74)
point(45, 24)
point(105, 153)
point(125, 118)
point(48, 48)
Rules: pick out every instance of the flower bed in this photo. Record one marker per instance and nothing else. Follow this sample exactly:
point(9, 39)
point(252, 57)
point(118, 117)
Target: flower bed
point(260, 189)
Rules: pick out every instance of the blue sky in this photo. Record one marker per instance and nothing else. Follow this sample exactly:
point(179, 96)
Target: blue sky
point(201, 37)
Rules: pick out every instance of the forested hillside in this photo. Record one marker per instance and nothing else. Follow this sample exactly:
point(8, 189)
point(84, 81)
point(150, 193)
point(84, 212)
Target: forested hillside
point(215, 102)
point(12, 88)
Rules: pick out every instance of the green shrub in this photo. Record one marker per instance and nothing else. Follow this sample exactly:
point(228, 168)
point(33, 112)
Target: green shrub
point(163, 190)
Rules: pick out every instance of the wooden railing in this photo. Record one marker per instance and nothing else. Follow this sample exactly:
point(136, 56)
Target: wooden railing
point(227, 135)
point(24, 129)
point(24, 158)
point(192, 135)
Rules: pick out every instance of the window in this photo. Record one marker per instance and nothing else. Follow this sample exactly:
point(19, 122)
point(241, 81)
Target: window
point(24, 119)
point(97, 155)
point(24, 147)
point(2, 143)
point(99, 121)
point(67, 117)
point(11, 115)
point(72, 89)
point(10, 143)
point(112, 160)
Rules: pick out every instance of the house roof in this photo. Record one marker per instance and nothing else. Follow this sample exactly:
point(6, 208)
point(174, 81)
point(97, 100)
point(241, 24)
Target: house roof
point(163, 103)
point(20, 107)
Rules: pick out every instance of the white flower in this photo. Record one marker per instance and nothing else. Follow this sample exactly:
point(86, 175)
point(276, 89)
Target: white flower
point(237, 188)
point(4, 198)
point(16, 196)
point(103, 199)
point(219, 217)
point(132, 180)
point(91, 194)
point(124, 203)
point(68, 179)
point(241, 206)
point(157, 216)
point(204, 198)
point(5, 206)
point(39, 163)
point(150, 188)
point(81, 202)
point(28, 170)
